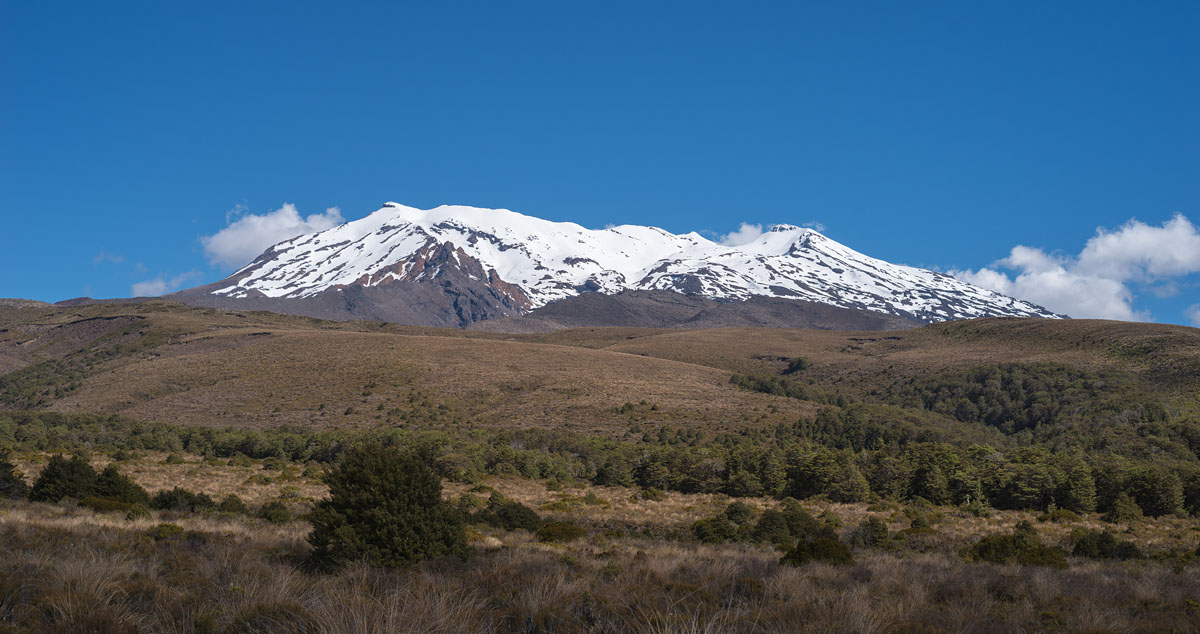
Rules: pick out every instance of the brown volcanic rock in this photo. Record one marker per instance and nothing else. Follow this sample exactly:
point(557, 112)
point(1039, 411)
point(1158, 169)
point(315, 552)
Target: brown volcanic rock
point(442, 286)
point(666, 309)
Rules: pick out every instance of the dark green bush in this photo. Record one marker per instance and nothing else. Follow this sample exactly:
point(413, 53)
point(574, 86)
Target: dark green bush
point(160, 532)
point(385, 505)
point(138, 512)
point(872, 532)
point(233, 504)
point(818, 549)
point(275, 512)
point(62, 478)
point(714, 530)
point(1021, 547)
point(801, 523)
point(1102, 545)
point(768, 384)
point(739, 513)
point(114, 485)
point(1124, 509)
point(12, 483)
point(555, 531)
point(1058, 515)
point(107, 505)
point(180, 499)
point(798, 364)
point(509, 515)
point(771, 528)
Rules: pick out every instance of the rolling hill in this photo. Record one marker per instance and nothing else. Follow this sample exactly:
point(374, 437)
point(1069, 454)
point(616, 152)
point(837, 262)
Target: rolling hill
point(165, 361)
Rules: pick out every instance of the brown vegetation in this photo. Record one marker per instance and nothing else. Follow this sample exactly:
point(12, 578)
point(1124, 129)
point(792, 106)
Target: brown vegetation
point(70, 570)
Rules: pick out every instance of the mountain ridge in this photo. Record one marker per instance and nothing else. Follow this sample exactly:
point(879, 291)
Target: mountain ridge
point(473, 264)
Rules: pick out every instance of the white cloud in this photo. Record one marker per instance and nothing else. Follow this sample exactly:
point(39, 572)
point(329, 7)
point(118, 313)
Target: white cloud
point(1096, 283)
point(103, 257)
point(1138, 251)
point(162, 285)
point(819, 227)
point(249, 235)
point(1193, 313)
point(745, 234)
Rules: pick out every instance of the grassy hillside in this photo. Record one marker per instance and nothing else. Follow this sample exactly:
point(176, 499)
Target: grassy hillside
point(165, 361)
point(973, 472)
point(161, 361)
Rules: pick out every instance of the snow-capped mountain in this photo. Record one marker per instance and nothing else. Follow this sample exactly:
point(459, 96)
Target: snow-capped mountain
point(503, 263)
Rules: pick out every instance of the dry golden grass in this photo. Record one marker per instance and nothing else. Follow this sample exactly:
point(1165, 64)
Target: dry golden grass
point(253, 484)
point(222, 368)
point(71, 570)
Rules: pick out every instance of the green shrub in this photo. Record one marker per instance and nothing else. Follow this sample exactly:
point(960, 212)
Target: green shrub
point(872, 532)
point(795, 365)
point(274, 463)
point(180, 499)
point(114, 485)
point(106, 505)
point(509, 515)
point(1102, 545)
point(653, 494)
point(275, 512)
point(739, 513)
point(1058, 515)
point(818, 549)
point(138, 512)
point(384, 506)
point(714, 530)
point(233, 504)
point(1021, 547)
point(468, 505)
point(62, 478)
point(12, 483)
point(801, 523)
point(556, 531)
point(591, 499)
point(771, 528)
point(1124, 509)
point(160, 532)
point(174, 459)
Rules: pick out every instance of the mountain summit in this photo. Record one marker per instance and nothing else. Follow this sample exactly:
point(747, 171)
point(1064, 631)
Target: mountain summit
point(473, 264)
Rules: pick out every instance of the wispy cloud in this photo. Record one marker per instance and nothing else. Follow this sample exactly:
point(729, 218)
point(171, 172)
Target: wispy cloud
point(1097, 282)
point(248, 235)
point(1193, 313)
point(162, 285)
point(103, 257)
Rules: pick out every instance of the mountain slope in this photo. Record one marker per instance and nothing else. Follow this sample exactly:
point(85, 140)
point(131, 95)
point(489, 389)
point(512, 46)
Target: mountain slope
point(474, 264)
point(668, 309)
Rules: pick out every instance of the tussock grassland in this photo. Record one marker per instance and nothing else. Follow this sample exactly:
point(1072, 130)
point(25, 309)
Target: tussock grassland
point(67, 569)
point(162, 361)
point(165, 361)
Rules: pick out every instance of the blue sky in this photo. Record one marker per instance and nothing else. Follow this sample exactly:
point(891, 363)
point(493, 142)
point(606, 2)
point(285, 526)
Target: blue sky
point(939, 134)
